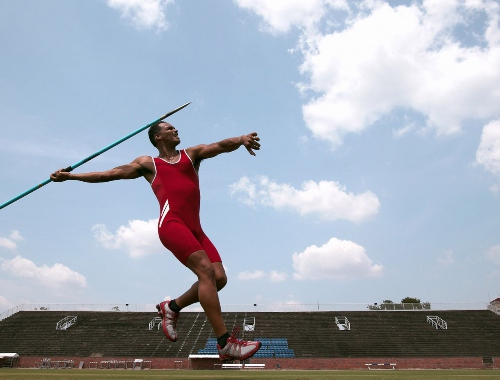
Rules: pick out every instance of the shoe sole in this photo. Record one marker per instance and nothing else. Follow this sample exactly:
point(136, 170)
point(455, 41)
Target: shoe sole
point(162, 314)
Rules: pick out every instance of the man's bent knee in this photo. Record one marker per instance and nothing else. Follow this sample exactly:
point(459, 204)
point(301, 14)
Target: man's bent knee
point(201, 266)
point(205, 271)
point(221, 281)
point(220, 275)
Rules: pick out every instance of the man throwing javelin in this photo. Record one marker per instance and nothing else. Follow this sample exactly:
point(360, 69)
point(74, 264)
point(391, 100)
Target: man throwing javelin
point(173, 176)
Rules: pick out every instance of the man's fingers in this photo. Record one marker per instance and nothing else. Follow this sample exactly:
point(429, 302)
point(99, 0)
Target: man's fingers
point(253, 143)
point(56, 176)
point(250, 150)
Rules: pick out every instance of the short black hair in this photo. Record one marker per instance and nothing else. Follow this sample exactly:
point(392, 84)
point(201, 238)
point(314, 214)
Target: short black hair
point(154, 130)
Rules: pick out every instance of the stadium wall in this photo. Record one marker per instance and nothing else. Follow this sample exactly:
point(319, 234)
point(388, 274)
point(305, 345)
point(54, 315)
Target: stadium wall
point(286, 364)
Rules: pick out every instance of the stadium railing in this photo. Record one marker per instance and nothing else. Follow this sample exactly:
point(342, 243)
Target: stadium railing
point(277, 307)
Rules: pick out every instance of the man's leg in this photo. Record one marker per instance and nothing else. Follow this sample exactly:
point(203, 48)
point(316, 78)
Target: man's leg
point(206, 290)
point(191, 296)
point(169, 310)
point(230, 348)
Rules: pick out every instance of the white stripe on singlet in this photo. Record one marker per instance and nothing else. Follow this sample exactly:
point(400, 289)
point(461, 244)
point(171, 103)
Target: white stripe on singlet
point(164, 212)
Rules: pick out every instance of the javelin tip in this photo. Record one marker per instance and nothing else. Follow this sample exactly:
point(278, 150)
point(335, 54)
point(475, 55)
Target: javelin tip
point(174, 111)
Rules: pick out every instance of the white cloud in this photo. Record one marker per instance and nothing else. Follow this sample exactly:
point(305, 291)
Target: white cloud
point(139, 238)
point(327, 199)
point(10, 241)
point(493, 254)
point(403, 57)
point(488, 152)
point(56, 276)
point(406, 129)
point(255, 275)
point(382, 59)
point(276, 276)
point(273, 276)
point(280, 16)
point(144, 14)
point(244, 185)
point(336, 259)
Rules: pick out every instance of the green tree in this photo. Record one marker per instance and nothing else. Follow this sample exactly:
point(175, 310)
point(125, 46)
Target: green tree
point(410, 300)
point(416, 304)
point(407, 303)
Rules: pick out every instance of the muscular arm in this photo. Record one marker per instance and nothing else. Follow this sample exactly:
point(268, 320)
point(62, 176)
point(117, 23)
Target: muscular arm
point(200, 152)
point(140, 167)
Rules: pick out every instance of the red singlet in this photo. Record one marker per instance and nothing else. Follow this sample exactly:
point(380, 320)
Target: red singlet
point(177, 189)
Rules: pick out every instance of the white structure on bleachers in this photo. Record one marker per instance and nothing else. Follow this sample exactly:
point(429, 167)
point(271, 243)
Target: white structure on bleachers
point(156, 321)
point(437, 322)
point(249, 324)
point(342, 323)
point(66, 322)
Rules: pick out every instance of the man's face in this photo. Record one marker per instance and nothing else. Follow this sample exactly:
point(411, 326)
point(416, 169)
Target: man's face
point(169, 133)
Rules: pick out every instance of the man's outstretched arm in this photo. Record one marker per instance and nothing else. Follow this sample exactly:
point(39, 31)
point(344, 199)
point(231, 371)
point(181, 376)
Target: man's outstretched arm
point(250, 142)
point(133, 170)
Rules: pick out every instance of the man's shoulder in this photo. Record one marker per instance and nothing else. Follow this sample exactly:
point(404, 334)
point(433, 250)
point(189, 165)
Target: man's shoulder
point(144, 159)
point(145, 162)
point(193, 151)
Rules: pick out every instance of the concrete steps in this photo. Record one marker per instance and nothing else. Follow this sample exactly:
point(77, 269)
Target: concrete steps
point(309, 334)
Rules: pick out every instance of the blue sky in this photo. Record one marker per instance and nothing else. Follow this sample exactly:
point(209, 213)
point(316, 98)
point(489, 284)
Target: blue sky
point(378, 176)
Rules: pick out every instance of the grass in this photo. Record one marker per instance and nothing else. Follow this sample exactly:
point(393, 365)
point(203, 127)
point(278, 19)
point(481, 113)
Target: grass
point(75, 374)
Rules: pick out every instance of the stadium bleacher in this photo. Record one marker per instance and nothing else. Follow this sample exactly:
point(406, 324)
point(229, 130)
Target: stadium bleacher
point(472, 333)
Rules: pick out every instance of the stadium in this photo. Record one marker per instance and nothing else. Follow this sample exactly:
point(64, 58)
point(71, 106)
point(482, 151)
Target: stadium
point(345, 337)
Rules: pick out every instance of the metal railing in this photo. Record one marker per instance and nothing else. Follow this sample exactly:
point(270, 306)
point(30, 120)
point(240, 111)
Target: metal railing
point(155, 321)
point(275, 307)
point(437, 322)
point(66, 322)
point(343, 323)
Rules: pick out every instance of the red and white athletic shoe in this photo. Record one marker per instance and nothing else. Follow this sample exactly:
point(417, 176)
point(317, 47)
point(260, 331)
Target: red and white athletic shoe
point(236, 349)
point(168, 320)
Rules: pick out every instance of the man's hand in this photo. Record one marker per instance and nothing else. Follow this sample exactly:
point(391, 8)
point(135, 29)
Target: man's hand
point(251, 142)
point(60, 176)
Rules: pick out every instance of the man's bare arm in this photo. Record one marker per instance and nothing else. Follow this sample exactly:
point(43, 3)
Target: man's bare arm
point(250, 142)
point(139, 167)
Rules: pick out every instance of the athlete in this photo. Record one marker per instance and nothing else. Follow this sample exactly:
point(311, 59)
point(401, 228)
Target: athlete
point(173, 176)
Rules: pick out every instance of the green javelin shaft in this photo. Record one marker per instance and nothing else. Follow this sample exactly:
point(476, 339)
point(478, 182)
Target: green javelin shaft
point(74, 166)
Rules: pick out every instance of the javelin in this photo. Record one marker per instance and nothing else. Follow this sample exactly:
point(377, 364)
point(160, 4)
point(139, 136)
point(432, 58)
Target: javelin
point(74, 166)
